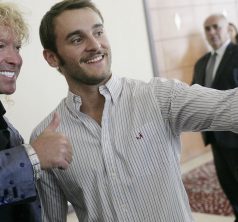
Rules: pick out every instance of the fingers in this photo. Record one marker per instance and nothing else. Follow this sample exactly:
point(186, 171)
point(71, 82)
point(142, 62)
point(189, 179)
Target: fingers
point(66, 160)
point(55, 122)
point(64, 164)
point(53, 148)
point(64, 156)
point(69, 154)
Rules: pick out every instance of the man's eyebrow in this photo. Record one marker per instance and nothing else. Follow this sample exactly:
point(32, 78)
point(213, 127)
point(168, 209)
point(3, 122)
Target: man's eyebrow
point(78, 32)
point(99, 25)
point(207, 27)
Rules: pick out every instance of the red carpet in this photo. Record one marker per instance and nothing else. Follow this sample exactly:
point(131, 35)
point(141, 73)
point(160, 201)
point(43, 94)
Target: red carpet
point(204, 192)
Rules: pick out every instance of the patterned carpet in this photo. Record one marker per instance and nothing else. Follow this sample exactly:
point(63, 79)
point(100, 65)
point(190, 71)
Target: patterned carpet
point(204, 192)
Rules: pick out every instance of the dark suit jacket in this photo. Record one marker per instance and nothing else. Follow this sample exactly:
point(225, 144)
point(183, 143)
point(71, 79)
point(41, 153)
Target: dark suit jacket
point(18, 198)
point(226, 78)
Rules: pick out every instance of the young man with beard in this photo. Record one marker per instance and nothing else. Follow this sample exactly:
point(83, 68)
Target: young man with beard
point(20, 163)
point(125, 133)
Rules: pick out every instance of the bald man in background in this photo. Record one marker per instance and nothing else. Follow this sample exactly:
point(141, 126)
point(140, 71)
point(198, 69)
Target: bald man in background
point(223, 76)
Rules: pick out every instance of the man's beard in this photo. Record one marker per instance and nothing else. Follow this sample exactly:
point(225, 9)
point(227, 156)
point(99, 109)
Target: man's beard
point(92, 81)
point(83, 77)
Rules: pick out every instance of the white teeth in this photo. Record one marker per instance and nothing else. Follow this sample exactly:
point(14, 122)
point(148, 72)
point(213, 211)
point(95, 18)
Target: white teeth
point(95, 59)
point(8, 74)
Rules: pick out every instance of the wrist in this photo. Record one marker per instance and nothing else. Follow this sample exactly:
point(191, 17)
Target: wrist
point(34, 160)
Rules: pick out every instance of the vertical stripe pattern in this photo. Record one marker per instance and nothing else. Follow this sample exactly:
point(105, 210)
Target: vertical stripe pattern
point(128, 168)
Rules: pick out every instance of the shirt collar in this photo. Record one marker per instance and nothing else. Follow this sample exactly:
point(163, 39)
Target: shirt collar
point(113, 86)
point(222, 49)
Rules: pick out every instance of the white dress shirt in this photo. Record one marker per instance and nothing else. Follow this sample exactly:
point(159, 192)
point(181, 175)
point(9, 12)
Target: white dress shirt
point(128, 169)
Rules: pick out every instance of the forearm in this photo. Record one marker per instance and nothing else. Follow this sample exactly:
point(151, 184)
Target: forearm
point(17, 182)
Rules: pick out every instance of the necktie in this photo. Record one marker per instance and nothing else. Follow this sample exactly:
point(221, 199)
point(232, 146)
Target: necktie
point(209, 70)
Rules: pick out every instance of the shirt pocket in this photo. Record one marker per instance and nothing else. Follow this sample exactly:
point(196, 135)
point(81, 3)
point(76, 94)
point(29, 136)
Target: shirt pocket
point(147, 150)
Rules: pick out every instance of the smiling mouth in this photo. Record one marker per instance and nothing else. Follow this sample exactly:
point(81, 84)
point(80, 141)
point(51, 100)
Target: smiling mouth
point(94, 59)
point(7, 74)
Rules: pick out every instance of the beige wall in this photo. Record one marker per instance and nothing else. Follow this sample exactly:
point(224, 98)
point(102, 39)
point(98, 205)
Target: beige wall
point(178, 39)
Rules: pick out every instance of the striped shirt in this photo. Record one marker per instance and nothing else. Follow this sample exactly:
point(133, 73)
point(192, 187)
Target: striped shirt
point(128, 169)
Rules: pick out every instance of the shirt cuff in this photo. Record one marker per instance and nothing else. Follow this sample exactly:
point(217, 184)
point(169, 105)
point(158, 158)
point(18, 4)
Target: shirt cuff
point(34, 160)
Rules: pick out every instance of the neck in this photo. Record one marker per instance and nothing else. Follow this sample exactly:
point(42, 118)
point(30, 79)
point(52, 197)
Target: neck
point(92, 102)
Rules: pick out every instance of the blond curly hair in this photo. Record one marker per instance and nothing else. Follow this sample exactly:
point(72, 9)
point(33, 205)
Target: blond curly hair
point(11, 16)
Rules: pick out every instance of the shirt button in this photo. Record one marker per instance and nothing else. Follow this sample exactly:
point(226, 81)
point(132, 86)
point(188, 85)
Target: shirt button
point(113, 174)
point(124, 208)
point(22, 164)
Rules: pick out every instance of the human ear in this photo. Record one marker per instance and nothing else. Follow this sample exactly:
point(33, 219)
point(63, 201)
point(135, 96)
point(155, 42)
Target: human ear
point(51, 58)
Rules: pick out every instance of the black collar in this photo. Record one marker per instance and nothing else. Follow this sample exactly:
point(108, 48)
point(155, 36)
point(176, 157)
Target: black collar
point(2, 110)
point(3, 124)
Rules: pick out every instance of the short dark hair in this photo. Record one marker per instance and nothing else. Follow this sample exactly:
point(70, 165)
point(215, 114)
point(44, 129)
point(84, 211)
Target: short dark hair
point(47, 26)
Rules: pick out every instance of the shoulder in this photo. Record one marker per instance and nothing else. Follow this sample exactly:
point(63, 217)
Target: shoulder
point(154, 81)
point(233, 48)
point(156, 86)
point(203, 59)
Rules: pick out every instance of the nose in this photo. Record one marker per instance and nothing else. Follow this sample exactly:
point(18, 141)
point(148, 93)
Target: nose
point(93, 44)
point(13, 57)
point(212, 31)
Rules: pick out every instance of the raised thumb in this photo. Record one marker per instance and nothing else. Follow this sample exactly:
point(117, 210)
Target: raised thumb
point(55, 122)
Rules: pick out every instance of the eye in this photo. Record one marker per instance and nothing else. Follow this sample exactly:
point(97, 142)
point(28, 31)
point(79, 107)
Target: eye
point(207, 28)
point(215, 26)
point(76, 40)
point(18, 47)
point(99, 33)
point(2, 45)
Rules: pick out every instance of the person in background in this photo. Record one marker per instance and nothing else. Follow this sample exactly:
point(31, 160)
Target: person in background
point(224, 76)
point(125, 133)
point(233, 32)
point(21, 163)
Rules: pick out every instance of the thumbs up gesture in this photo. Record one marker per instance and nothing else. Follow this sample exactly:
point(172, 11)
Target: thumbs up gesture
point(53, 148)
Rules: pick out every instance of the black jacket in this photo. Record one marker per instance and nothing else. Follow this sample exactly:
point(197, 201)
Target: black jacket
point(226, 78)
point(18, 197)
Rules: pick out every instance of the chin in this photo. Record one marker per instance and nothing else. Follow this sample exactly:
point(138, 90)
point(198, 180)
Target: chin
point(10, 91)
